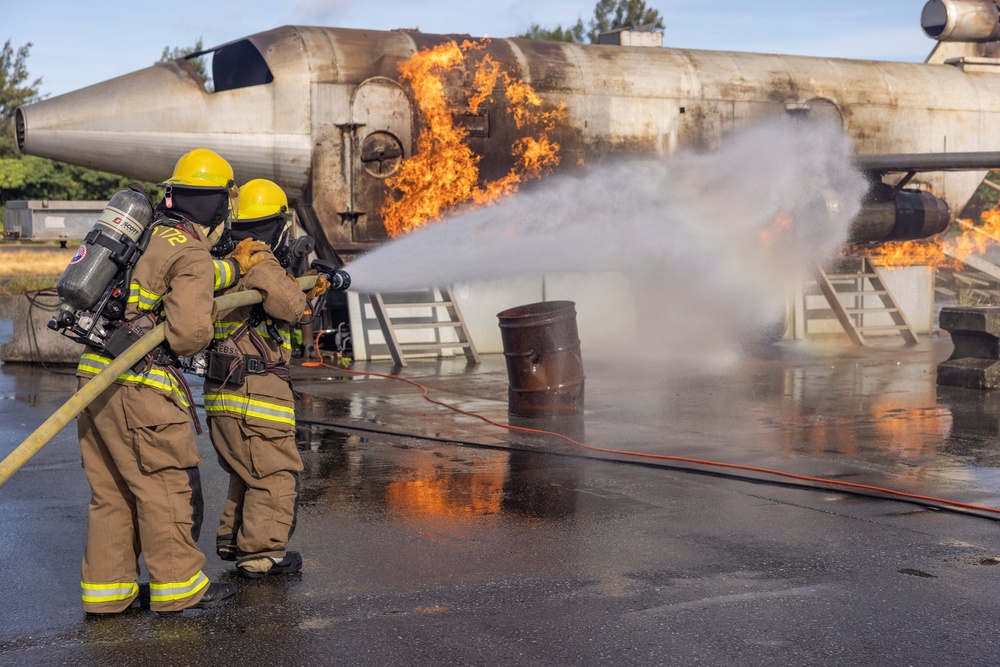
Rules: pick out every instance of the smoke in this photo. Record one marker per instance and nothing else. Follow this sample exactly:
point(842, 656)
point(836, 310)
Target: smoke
point(712, 244)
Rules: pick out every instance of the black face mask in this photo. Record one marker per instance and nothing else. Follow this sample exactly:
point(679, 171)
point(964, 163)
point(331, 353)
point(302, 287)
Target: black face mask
point(265, 229)
point(269, 230)
point(207, 207)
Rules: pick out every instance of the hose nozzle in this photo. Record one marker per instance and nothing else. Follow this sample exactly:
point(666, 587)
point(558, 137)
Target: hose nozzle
point(339, 279)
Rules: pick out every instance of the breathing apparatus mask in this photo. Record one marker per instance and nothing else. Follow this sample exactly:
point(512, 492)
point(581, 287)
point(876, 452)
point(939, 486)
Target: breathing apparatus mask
point(207, 207)
point(272, 230)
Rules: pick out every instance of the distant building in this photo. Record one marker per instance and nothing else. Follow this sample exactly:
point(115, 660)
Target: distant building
point(643, 35)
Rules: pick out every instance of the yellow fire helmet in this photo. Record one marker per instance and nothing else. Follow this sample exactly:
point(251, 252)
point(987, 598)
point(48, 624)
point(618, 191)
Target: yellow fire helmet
point(202, 168)
point(260, 198)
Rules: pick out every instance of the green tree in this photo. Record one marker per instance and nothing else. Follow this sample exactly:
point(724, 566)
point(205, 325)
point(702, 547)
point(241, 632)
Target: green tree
point(15, 90)
point(31, 177)
point(616, 14)
point(608, 15)
point(573, 33)
point(198, 64)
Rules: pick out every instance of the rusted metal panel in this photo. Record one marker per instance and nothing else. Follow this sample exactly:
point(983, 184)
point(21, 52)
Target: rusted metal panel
point(384, 117)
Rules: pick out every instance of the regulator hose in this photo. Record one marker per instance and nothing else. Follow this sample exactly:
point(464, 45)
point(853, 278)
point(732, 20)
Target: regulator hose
point(82, 398)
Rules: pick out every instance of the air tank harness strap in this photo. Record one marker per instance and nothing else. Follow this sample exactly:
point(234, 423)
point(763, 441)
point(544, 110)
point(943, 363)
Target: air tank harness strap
point(118, 248)
point(276, 366)
point(161, 355)
point(233, 368)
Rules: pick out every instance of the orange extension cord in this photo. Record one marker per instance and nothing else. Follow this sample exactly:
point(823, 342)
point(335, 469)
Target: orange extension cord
point(661, 457)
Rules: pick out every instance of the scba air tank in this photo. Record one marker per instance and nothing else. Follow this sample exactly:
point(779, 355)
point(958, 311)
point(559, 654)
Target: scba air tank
point(107, 248)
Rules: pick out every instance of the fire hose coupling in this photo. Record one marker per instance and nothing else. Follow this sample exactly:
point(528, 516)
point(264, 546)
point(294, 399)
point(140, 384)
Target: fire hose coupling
point(339, 279)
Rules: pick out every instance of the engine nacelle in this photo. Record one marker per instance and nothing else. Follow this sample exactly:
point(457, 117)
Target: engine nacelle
point(908, 216)
point(961, 20)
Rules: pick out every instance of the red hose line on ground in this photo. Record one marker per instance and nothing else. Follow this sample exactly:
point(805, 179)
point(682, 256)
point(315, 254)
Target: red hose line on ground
point(662, 457)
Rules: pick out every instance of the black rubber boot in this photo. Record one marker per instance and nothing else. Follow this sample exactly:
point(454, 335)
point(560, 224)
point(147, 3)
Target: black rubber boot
point(290, 564)
point(225, 546)
point(143, 598)
point(218, 593)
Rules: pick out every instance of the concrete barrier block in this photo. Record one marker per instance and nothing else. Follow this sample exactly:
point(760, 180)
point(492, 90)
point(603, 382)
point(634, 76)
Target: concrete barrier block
point(33, 341)
point(975, 360)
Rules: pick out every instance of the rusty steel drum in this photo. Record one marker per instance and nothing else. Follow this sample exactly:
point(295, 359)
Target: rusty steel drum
point(544, 366)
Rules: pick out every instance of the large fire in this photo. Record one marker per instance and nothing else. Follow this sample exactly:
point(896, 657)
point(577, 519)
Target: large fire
point(937, 253)
point(444, 172)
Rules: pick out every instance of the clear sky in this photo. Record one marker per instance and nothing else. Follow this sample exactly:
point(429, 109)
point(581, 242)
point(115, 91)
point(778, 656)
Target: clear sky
point(75, 44)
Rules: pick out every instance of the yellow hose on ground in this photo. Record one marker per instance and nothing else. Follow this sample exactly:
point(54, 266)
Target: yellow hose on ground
point(82, 398)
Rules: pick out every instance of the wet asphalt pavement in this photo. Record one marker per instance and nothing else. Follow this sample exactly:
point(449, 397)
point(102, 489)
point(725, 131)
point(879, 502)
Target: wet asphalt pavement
point(430, 537)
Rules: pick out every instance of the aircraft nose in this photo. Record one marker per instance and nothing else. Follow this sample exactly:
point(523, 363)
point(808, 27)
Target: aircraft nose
point(127, 125)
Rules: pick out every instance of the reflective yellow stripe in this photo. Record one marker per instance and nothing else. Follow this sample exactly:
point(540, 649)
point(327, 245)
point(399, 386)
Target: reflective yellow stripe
point(224, 274)
point(177, 590)
point(97, 593)
point(243, 406)
point(225, 329)
point(143, 298)
point(92, 364)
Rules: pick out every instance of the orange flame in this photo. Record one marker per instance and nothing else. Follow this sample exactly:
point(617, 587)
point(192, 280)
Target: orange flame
point(768, 235)
point(444, 171)
point(937, 253)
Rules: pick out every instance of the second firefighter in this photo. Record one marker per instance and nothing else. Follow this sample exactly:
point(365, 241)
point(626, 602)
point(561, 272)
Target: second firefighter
point(249, 400)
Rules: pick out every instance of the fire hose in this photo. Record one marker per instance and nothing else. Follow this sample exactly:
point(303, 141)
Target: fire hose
point(82, 398)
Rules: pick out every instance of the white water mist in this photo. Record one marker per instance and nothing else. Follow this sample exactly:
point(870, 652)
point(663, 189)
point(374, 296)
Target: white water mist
point(699, 236)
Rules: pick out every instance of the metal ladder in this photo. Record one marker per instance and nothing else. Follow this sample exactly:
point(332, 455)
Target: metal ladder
point(859, 287)
point(441, 298)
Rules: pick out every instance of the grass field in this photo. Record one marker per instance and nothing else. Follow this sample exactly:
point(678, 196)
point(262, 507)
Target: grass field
point(29, 267)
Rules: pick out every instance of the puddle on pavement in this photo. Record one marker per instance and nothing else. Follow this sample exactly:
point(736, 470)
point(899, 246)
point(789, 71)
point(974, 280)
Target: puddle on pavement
point(393, 479)
point(36, 386)
point(887, 417)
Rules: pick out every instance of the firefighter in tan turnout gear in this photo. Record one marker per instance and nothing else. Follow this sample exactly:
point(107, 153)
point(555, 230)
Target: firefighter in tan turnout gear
point(249, 400)
point(136, 439)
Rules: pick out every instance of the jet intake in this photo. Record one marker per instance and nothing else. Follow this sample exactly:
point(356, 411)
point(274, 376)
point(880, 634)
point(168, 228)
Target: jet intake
point(908, 216)
point(19, 129)
point(961, 20)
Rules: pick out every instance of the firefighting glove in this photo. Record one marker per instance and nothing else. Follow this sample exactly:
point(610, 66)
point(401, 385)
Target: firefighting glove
point(248, 254)
point(321, 286)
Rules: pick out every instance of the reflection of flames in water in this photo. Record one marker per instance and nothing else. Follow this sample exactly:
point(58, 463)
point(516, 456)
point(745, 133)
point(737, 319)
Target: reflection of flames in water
point(444, 171)
point(940, 252)
point(439, 494)
point(911, 433)
point(890, 431)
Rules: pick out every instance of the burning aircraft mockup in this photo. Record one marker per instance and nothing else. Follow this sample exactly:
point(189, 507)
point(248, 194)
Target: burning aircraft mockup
point(351, 122)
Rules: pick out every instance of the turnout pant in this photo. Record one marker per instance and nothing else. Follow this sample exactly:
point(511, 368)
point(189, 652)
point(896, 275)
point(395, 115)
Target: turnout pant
point(263, 465)
point(141, 460)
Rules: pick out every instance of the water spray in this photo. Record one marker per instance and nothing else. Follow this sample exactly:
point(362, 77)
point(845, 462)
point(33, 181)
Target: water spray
point(722, 237)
